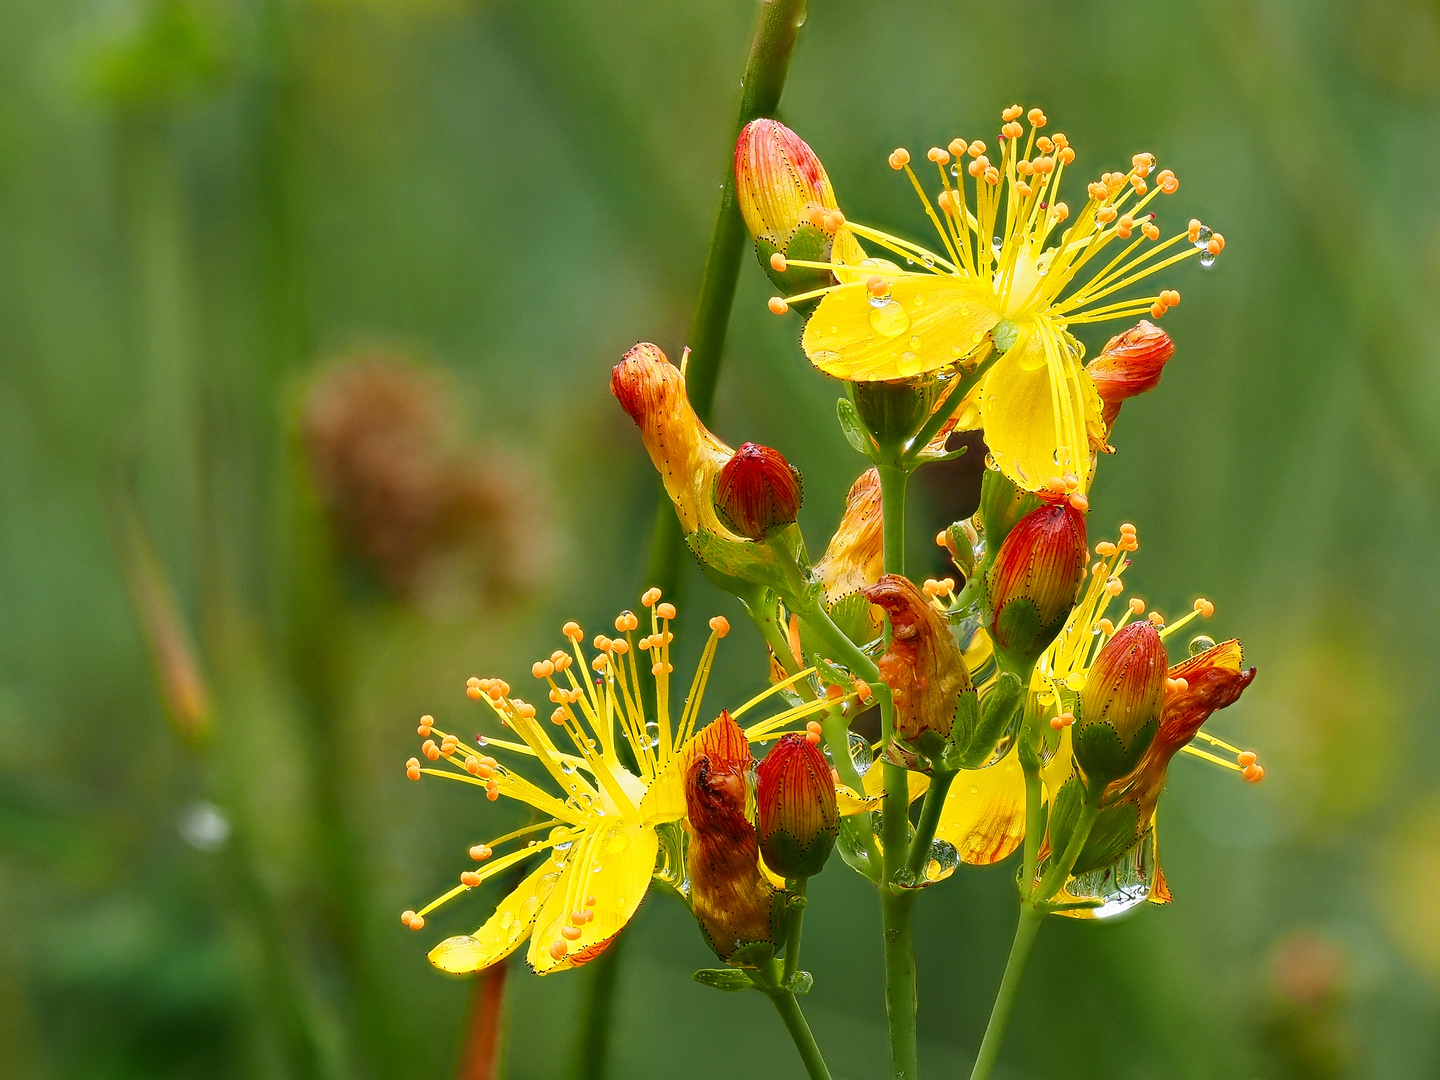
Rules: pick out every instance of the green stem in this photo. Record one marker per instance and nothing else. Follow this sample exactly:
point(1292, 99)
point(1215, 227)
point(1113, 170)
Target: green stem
point(1025, 931)
point(789, 1009)
point(761, 86)
point(1060, 868)
point(1034, 825)
point(592, 1048)
point(897, 910)
point(792, 932)
point(930, 812)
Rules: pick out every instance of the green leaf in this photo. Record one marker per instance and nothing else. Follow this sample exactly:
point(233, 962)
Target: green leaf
point(727, 979)
point(853, 428)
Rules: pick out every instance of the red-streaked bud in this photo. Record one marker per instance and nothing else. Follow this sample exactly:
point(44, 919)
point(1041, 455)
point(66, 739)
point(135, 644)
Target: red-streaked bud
point(1130, 364)
point(1118, 711)
point(923, 666)
point(789, 206)
point(687, 455)
point(795, 807)
point(733, 902)
point(757, 492)
point(1032, 584)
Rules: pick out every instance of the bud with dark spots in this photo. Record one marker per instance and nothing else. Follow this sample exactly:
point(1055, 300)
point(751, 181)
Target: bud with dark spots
point(1032, 582)
point(926, 673)
point(796, 812)
point(1118, 711)
point(737, 908)
point(1130, 364)
point(757, 492)
point(789, 206)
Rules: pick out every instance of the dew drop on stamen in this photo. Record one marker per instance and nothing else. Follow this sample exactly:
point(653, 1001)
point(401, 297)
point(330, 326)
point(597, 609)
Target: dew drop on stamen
point(1202, 238)
point(955, 171)
point(652, 732)
point(1201, 643)
point(1207, 260)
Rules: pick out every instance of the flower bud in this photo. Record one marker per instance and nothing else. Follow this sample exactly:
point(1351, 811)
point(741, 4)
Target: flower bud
point(795, 808)
point(855, 556)
point(1118, 711)
point(734, 903)
point(789, 206)
point(1129, 364)
point(1032, 583)
point(894, 411)
point(923, 667)
point(757, 492)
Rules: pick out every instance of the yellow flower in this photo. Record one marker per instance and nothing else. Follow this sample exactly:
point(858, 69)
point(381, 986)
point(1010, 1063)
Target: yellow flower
point(597, 842)
point(1008, 254)
point(984, 814)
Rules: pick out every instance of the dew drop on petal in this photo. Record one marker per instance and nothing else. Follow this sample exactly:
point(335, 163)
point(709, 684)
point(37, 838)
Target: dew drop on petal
point(889, 319)
point(1201, 643)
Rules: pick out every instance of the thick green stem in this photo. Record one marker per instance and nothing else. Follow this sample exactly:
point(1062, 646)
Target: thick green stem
point(1034, 826)
point(792, 932)
point(930, 811)
point(897, 910)
point(789, 1009)
point(1060, 868)
point(1029, 924)
point(760, 89)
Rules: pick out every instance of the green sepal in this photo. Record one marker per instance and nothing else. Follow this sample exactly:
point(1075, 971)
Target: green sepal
point(1018, 623)
point(1103, 756)
point(737, 566)
point(1064, 813)
point(784, 852)
point(894, 411)
point(752, 956)
point(979, 731)
point(1114, 833)
point(852, 428)
point(808, 244)
point(727, 979)
point(852, 615)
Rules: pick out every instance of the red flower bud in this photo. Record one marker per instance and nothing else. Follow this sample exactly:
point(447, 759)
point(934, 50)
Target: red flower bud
point(1130, 364)
point(795, 807)
point(1032, 584)
point(923, 666)
point(1119, 708)
point(757, 492)
point(732, 900)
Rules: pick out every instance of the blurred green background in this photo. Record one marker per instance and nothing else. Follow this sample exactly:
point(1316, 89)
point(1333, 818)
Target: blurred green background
point(307, 310)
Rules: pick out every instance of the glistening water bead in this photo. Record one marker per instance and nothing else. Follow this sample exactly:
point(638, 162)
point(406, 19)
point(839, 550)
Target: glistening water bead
point(1201, 643)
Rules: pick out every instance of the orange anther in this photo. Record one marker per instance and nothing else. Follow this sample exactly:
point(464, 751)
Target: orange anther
point(877, 285)
point(814, 725)
point(976, 148)
point(650, 597)
point(1253, 773)
point(1106, 214)
point(1011, 113)
point(407, 917)
point(666, 611)
point(1204, 607)
point(469, 879)
point(430, 750)
point(590, 901)
point(572, 631)
point(1105, 548)
point(417, 922)
point(1106, 626)
point(1064, 155)
point(571, 932)
point(1022, 189)
point(957, 146)
point(1012, 130)
point(480, 852)
point(834, 692)
point(558, 949)
point(1215, 245)
point(542, 669)
point(1193, 232)
point(1079, 501)
point(412, 769)
point(899, 158)
point(492, 791)
point(1136, 605)
point(1113, 587)
point(1060, 211)
point(777, 305)
point(1036, 118)
point(1150, 230)
point(813, 738)
point(777, 262)
point(1157, 310)
point(862, 690)
point(1246, 758)
point(992, 176)
point(1044, 144)
point(940, 157)
point(474, 693)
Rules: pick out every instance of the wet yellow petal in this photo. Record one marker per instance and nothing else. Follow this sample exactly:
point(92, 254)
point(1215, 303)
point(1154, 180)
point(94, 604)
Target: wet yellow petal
point(603, 884)
point(930, 321)
point(504, 930)
point(874, 781)
point(1039, 408)
point(847, 802)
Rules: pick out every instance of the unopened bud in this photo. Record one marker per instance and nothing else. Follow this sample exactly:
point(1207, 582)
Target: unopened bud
point(1118, 711)
point(894, 411)
point(789, 206)
point(733, 902)
point(1032, 583)
point(757, 492)
point(1130, 364)
point(795, 807)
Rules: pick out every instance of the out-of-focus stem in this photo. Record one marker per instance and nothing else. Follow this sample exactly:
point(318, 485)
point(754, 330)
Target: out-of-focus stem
point(1025, 931)
point(592, 1049)
point(480, 1059)
point(760, 89)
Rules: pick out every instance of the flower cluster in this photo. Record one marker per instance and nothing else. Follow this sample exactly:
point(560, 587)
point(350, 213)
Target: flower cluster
point(1011, 702)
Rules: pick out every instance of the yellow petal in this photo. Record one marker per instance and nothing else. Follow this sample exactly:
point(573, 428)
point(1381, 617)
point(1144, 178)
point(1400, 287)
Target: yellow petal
point(612, 864)
point(984, 813)
point(504, 930)
point(847, 802)
point(1039, 407)
point(930, 321)
point(874, 781)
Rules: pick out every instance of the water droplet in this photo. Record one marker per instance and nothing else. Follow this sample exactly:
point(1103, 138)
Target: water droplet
point(1075, 681)
point(564, 846)
point(955, 171)
point(204, 826)
point(595, 869)
point(918, 300)
point(617, 842)
point(507, 920)
point(567, 767)
point(480, 740)
point(860, 753)
point(996, 244)
point(943, 860)
point(529, 907)
point(889, 319)
point(1207, 260)
point(928, 260)
point(652, 731)
point(1201, 643)
point(1124, 884)
point(1202, 238)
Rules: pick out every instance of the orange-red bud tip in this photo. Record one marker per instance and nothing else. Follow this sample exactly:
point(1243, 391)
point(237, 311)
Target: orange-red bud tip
point(757, 492)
